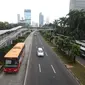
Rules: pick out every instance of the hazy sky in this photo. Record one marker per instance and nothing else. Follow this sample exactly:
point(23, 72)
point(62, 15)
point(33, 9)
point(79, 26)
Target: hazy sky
point(52, 9)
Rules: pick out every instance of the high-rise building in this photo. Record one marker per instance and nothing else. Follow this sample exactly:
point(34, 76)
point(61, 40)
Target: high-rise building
point(77, 4)
point(27, 16)
point(41, 19)
point(18, 18)
point(47, 20)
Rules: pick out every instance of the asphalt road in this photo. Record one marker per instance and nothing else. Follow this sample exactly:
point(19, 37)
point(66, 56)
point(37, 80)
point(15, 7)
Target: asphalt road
point(47, 70)
point(17, 78)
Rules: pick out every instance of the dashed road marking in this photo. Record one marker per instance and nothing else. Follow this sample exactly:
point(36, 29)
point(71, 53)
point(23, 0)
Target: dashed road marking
point(39, 67)
point(53, 69)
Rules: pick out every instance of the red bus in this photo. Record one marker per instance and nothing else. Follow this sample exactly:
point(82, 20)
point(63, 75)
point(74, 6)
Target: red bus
point(13, 59)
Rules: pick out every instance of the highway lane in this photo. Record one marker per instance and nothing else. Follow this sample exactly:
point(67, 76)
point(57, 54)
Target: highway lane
point(47, 70)
point(36, 67)
point(60, 68)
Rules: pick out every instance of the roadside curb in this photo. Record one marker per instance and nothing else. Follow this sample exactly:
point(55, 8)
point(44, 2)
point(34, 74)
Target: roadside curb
point(75, 77)
point(78, 81)
point(71, 72)
point(80, 64)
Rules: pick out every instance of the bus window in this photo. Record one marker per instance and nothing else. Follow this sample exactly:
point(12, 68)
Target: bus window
point(11, 63)
point(8, 62)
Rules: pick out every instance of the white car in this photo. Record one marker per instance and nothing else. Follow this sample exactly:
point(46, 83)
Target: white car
point(40, 52)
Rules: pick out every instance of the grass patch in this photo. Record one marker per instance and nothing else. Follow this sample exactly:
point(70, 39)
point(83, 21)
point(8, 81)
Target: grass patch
point(62, 55)
point(77, 69)
point(79, 72)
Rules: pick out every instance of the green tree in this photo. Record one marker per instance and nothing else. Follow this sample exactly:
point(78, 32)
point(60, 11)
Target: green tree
point(76, 23)
point(75, 51)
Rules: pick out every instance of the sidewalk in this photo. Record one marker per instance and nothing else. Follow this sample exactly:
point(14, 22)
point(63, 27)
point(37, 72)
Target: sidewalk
point(81, 61)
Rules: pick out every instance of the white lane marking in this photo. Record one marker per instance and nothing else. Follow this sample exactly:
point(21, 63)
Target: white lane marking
point(53, 69)
point(39, 67)
point(26, 73)
point(46, 54)
point(30, 48)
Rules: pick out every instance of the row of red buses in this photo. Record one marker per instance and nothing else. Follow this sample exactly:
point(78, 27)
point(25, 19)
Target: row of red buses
point(13, 59)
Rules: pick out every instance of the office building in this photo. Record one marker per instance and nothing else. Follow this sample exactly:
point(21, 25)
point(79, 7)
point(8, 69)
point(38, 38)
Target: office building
point(41, 19)
point(27, 16)
point(77, 4)
point(18, 18)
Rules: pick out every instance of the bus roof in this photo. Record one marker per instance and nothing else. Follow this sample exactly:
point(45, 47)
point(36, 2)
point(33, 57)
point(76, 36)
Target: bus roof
point(15, 51)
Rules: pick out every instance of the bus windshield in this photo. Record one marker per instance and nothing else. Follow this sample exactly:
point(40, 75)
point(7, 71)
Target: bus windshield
point(11, 63)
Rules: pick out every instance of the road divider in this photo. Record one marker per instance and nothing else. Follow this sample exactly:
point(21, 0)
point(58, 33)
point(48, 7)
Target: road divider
point(53, 69)
point(28, 61)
